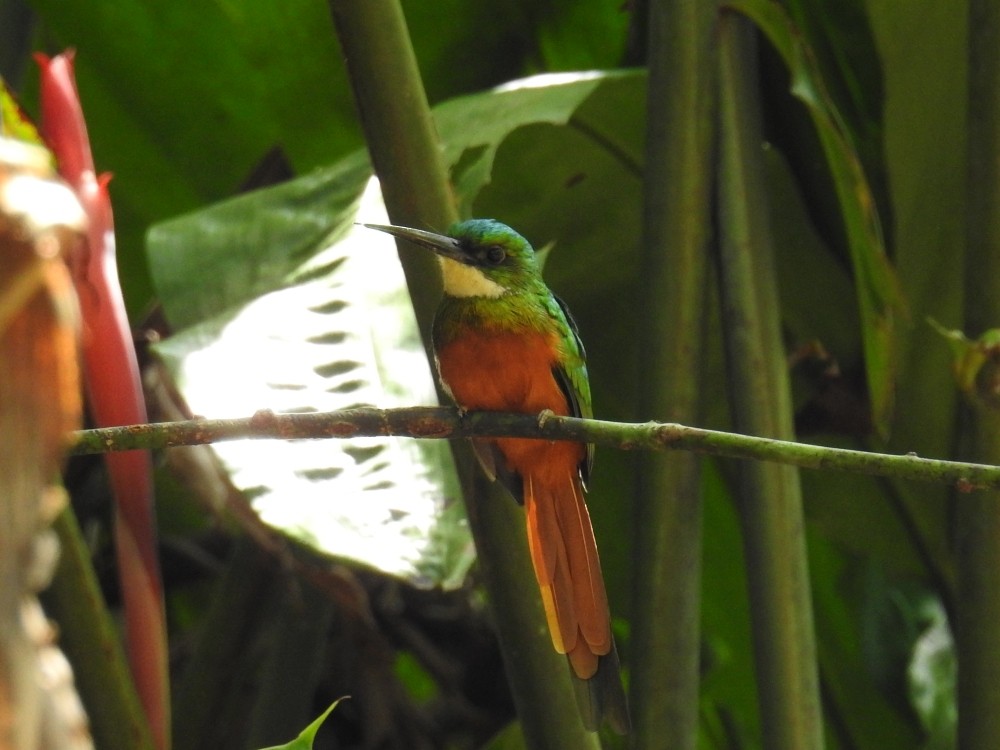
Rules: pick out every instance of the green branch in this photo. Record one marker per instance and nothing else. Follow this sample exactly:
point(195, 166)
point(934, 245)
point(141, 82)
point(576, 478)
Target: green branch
point(427, 422)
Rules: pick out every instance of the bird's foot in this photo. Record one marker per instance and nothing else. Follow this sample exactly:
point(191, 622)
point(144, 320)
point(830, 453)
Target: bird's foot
point(544, 415)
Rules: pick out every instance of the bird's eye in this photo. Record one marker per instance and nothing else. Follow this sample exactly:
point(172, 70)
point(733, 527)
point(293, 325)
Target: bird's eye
point(495, 255)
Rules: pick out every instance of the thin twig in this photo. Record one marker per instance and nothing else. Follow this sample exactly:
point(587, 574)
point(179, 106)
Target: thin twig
point(443, 422)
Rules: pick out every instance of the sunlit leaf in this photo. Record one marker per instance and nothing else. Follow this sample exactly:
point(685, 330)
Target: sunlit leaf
point(313, 316)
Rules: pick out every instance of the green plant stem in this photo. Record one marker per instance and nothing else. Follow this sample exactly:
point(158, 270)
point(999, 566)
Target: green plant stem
point(407, 158)
point(91, 642)
point(441, 422)
point(978, 521)
point(664, 646)
point(769, 495)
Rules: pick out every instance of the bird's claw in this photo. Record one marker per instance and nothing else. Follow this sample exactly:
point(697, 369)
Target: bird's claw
point(544, 415)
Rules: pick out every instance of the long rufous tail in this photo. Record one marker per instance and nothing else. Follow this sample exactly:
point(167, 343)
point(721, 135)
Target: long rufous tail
point(564, 554)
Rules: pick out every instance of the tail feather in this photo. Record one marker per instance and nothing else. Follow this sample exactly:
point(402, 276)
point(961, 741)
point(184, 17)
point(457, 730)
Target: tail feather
point(551, 570)
point(602, 697)
point(593, 617)
point(582, 660)
point(568, 569)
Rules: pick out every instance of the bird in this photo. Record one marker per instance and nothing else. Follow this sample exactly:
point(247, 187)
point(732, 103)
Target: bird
point(504, 342)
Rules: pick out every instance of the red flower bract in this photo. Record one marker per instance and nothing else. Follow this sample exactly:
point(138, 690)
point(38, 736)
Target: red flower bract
point(111, 374)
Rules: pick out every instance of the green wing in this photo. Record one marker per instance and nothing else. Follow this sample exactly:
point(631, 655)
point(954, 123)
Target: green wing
point(572, 374)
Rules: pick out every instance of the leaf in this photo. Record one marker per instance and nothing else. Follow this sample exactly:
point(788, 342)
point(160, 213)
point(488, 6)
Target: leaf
point(171, 88)
point(552, 182)
point(472, 128)
point(845, 53)
point(812, 282)
point(926, 158)
point(308, 735)
point(879, 298)
point(227, 255)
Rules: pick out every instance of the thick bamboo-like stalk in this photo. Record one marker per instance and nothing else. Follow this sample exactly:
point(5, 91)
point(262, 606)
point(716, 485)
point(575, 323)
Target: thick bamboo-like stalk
point(769, 496)
point(676, 233)
point(401, 140)
point(978, 522)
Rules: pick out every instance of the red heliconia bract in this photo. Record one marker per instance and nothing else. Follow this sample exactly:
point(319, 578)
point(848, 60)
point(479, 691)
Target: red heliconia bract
point(114, 390)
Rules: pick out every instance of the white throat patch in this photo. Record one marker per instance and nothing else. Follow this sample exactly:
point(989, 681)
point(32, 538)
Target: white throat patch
point(461, 280)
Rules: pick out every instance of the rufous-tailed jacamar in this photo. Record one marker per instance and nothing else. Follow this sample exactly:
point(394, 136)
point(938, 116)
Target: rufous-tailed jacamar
point(504, 342)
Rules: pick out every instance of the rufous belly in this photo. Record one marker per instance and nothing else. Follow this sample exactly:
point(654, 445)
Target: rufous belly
point(511, 372)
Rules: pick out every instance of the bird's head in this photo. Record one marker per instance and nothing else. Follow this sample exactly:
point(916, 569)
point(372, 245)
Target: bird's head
point(479, 257)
